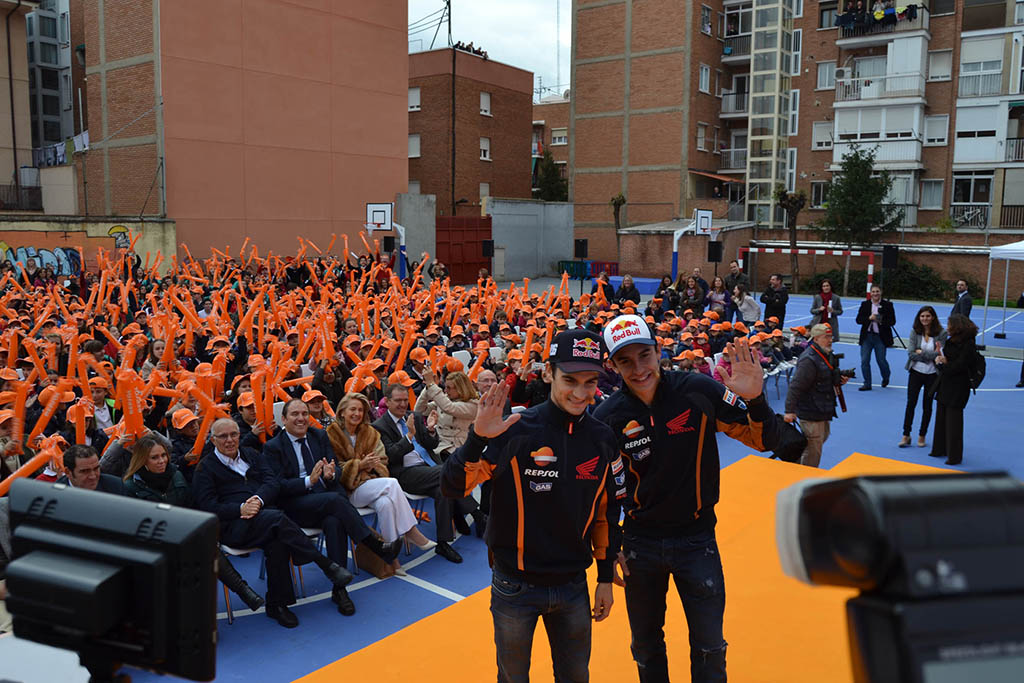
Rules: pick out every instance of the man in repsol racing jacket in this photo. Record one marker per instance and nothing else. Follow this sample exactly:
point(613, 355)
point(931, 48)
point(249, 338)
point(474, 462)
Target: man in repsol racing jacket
point(552, 510)
point(665, 424)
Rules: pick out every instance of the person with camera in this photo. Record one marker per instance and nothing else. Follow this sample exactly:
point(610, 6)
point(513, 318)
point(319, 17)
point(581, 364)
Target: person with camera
point(876, 318)
point(813, 391)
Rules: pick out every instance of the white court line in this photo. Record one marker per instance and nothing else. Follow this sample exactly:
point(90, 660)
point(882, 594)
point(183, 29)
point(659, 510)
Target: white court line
point(1001, 322)
point(433, 588)
point(897, 386)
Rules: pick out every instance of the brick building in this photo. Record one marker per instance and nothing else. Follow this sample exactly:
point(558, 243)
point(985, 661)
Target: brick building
point(265, 119)
point(551, 132)
point(491, 125)
point(669, 95)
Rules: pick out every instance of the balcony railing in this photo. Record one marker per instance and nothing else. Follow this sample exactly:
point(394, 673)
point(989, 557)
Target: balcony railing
point(909, 215)
point(856, 25)
point(1014, 149)
point(978, 85)
point(886, 150)
point(970, 215)
point(30, 199)
point(876, 87)
point(736, 46)
point(735, 102)
point(734, 159)
point(1011, 217)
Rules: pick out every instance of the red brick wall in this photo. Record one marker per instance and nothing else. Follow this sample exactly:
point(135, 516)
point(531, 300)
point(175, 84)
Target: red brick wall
point(554, 115)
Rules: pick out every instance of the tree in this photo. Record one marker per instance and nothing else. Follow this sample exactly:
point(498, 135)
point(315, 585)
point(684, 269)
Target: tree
point(792, 203)
point(617, 202)
point(857, 212)
point(553, 187)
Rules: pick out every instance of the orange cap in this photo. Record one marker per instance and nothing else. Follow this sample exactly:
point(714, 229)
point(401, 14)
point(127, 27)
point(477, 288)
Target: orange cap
point(6, 415)
point(419, 354)
point(352, 339)
point(99, 382)
point(46, 394)
point(312, 395)
point(454, 365)
point(246, 398)
point(401, 377)
point(773, 319)
point(9, 374)
point(182, 417)
point(457, 331)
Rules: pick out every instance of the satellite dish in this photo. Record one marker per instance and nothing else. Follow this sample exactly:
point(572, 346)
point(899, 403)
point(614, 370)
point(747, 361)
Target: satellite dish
point(565, 95)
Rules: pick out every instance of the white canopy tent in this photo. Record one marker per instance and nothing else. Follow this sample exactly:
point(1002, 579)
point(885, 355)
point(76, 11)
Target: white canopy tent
point(1006, 252)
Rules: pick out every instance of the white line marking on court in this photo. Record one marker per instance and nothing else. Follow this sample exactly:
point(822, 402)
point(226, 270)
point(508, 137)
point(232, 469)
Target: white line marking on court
point(1001, 322)
point(433, 588)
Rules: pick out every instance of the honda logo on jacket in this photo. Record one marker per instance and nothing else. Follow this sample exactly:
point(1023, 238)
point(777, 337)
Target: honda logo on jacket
point(678, 424)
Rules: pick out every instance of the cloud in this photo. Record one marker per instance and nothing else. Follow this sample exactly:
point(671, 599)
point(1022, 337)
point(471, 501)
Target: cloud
point(519, 33)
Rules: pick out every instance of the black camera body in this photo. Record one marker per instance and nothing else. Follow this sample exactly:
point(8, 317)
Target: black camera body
point(851, 373)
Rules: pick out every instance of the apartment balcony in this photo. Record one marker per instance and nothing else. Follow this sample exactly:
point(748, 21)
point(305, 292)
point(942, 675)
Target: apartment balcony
point(1011, 217)
point(862, 30)
point(734, 160)
point(29, 199)
point(736, 49)
point(889, 153)
point(734, 105)
point(879, 87)
point(909, 215)
point(537, 149)
point(1014, 149)
point(971, 215)
point(980, 84)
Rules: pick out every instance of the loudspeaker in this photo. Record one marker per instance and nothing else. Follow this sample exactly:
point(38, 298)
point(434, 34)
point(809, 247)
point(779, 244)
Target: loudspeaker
point(581, 249)
point(714, 252)
point(488, 248)
point(890, 256)
point(389, 243)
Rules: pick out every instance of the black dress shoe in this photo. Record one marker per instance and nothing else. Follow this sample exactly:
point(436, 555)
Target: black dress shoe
point(885, 383)
point(480, 520)
point(251, 598)
point(936, 455)
point(953, 462)
point(283, 616)
point(343, 601)
point(1020, 384)
point(448, 552)
point(338, 575)
point(864, 388)
point(385, 551)
point(460, 524)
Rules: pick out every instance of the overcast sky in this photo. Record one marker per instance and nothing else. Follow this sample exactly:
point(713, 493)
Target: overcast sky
point(517, 32)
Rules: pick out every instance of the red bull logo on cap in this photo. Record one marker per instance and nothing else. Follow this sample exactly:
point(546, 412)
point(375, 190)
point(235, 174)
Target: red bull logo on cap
point(586, 348)
point(625, 329)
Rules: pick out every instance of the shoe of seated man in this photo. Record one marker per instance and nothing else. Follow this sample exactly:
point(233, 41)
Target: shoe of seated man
point(283, 616)
point(448, 552)
point(341, 598)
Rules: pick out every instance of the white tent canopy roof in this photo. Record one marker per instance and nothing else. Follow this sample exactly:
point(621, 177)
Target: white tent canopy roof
point(1011, 252)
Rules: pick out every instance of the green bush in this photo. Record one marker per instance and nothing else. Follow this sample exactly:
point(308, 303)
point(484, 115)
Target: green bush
point(908, 281)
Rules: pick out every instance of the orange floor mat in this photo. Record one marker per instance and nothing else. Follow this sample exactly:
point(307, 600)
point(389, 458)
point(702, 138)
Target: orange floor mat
point(778, 629)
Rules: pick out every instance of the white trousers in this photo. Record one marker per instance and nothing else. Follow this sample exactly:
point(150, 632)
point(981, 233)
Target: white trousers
point(385, 496)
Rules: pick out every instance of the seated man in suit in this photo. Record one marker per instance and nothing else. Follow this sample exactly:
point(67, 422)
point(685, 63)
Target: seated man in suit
point(408, 439)
point(301, 460)
point(231, 483)
point(82, 464)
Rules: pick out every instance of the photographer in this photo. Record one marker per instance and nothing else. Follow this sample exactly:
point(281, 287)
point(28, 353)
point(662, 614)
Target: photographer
point(813, 391)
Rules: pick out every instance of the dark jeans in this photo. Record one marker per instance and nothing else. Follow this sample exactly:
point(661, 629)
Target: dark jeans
point(565, 609)
point(949, 433)
point(873, 342)
point(695, 566)
point(917, 382)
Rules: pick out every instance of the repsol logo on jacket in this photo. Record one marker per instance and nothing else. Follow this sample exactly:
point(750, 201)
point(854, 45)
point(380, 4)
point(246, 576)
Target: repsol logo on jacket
point(636, 443)
point(551, 474)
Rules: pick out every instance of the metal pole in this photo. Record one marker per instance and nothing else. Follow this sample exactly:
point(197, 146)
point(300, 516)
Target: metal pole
point(85, 175)
point(1006, 284)
point(988, 285)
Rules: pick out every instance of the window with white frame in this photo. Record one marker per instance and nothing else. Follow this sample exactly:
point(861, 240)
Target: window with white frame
point(705, 78)
point(899, 122)
point(798, 40)
point(791, 169)
point(794, 111)
point(931, 194)
point(721, 24)
point(981, 67)
point(414, 187)
point(702, 136)
point(64, 30)
point(936, 129)
point(559, 136)
point(414, 99)
point(705, 19)
point(485, 190)
point(485, 103)
point(826, 75)
point(798, 8)
point(562, 166)
point(485, 149)
point(821, 137)
point(414, 145)
point(940, 65)
point(1018, 13)
point(819, 193)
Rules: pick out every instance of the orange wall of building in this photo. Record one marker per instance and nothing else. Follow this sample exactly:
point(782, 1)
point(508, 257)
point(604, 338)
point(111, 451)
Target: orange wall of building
point(282, 119)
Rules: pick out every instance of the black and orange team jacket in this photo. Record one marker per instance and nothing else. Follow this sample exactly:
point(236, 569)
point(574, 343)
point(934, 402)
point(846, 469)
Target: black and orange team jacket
point(553, 504)
point(670, 452)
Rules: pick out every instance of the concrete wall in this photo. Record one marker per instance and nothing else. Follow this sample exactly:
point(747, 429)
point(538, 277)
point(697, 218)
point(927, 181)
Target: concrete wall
point(60, 190)
point(530, 237)
point(63, 243)
point(417, 213)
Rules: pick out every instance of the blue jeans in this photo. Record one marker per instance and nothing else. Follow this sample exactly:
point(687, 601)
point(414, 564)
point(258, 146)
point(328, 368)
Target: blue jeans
point(565, 609)
point(873, 342)
point(695, 566)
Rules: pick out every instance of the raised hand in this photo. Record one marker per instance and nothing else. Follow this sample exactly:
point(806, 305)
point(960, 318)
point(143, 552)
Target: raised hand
point(432, 420)
point(746, 377)
point(489, 422)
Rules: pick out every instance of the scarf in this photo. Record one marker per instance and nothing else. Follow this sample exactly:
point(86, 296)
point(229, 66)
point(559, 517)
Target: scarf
point(825, 299)
point(158, 482)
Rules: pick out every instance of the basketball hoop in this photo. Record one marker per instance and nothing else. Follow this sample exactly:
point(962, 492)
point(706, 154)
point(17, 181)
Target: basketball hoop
point(713, 233)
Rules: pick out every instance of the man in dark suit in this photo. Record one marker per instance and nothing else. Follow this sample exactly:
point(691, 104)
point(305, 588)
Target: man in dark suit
point(409, 440)
point(232, 483)
point(82, 464)
point(301, 460)
point(876, 318)
point(964, 303)
point(775, 299)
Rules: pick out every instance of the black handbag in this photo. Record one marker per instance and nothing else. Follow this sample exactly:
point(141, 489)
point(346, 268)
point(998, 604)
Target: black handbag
point(792, 442)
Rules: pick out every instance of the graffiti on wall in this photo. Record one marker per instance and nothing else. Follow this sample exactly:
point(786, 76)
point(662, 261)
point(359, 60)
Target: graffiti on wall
point(64, 260)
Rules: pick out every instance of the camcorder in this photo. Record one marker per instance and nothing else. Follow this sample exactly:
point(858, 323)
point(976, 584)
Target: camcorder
point(938, 560)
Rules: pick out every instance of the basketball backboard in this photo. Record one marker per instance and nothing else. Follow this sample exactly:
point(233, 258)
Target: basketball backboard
point(379, 216)
point(703, 221)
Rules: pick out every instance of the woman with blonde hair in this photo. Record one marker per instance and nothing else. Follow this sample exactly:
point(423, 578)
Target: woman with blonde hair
point(364, 473)
point(456, 407)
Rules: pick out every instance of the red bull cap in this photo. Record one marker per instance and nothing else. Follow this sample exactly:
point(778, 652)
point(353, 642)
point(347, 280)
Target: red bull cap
point(577, 351)
point(626, 330)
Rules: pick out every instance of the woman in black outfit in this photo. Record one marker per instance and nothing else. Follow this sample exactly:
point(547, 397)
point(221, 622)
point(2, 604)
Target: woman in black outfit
point(953, 388)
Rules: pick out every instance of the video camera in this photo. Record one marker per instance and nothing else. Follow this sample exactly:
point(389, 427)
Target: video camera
point(939, 561)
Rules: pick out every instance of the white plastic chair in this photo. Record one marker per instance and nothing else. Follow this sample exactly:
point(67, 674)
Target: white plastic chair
point(279, 413)
point(497, 355)
point(465, 357)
